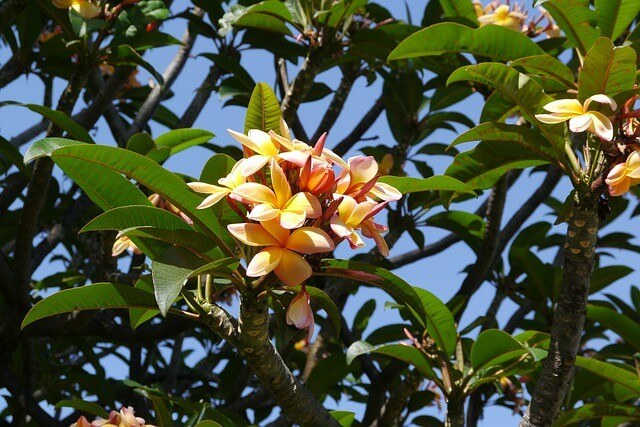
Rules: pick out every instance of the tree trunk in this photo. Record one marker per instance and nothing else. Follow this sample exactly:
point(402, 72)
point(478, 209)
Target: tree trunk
point(455, 410)
point(568, 320)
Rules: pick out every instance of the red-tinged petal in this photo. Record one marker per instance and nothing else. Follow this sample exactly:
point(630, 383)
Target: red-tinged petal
point(319, 147)
point(310, 240)
point(263, 212)
point(339, 227)
point(291, 219)
point(299, 312)
point(355, 241)
point(292, 269)
point(256, 193)
point(334, 158)
point(385, 192)
point(359, 213)
point(253, 234)
point(296, 157)
point(264, 262)
point(381, 243)
point(362, 169)
point(620, 188)
point(617, 174)
point(633, 165)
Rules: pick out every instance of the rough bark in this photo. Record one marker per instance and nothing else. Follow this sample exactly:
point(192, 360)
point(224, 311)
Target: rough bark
point(455, 410)
point(569, 316)
point(294, 398)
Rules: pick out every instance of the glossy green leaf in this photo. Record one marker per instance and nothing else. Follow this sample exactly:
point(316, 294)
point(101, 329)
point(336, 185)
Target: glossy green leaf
point(607, 69)
point(124, 217)
point(441, 325)
point(493, 348)
point(469, 226)
point(58, 118)
point(327, 373)
point(622, 325)
point(376, 276)
point(527, 138)
point(615, 16)
point(263, 21)
point(200, 243)
point(344, 418)
point(575, 18)
point(405, 353)
point(264, 110)
point(138, 316)
point(84, 406)
point(591, 411)
point(460, 9)
point(546, 65)
point(220, 267)
point(491, 41)
point(170, 272)
point(406, 185)
point(90, 297)
point(181, 139)
point(626, 378)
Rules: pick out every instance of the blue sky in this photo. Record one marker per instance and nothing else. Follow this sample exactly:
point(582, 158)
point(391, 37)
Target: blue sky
point(440, 274)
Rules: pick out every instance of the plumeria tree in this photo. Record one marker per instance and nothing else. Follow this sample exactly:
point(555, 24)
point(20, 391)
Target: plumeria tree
point(259, 258)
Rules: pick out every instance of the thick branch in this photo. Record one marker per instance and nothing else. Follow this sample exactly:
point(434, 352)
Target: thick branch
point(569, 316)
point(399, 398)
point(361, 128)
point(9, 10)
point(12, 69)
point(254, 343)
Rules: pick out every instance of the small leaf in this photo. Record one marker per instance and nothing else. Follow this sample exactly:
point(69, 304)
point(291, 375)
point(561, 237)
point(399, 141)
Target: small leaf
point(264, 110)
point(493, 348)
point(170, 272)
point(405, 353)
point(181, 139)
point(85, 406)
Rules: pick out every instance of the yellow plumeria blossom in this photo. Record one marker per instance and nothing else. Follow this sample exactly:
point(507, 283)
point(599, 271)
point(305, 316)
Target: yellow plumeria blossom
point(360, 176)
point(282, 249)
point(85, 8)
point(124, 418)
point(580, 117)
point(227, 185)
point(298, 151)
point(349, 218)
point(291, 210)
point(262, 146)
point(624, 175)
point(505, 17)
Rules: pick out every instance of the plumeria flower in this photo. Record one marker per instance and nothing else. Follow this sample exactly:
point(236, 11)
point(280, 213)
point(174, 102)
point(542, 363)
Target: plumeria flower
point(299, 313)
point(124, 418)
point(624, 175)
point(82, 422)
point(282, 249)
point(362, 174)
point(298, 151)
point(263, 147)
point(85, 8)
point(349, 218)
point(316, 179)
point(227, 185)
point(279, 203)
point(580, 117)
point(373, 230)
point(124, 243)
point(505, 17)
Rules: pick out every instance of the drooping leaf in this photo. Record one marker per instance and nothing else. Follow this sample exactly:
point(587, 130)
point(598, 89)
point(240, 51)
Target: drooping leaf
point(264, 110)
point(460, 9)
point(170, 272)
point(441, 325)
point(626, 378)
point(58, 118)
point(605, 276)
point(10, 155)
point(405, 353)
point(125, 217)
point(376, 276)
point(491, 41)
point(84, 406)
point(90, 297)
point(125, 54)
point(546, 65)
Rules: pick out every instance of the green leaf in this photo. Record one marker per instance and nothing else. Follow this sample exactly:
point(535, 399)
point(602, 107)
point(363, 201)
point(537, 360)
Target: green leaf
point(469, 226)
point(604, 276)
point(376, 276)
point(125, 54)
point(90, 297)
point(405, 353)
point(262, 21)
point(85, 406)
point(575, 19)
point(493, 348)
point(170, 272)
point(151, 175)
point(407, 185)
point(149, 40)
point(622, 325)
point(327, 373)
point(441, 325)
point(137, 316)
point(263, 111)
point(591, 411)
point(220, 267)
point(528, 138)
point(614, 16)
point(124, 217)
point(520, 90)
point(546, 65)
point(181, 139)
point(13, 157)
point(460, 9)
point(344, 418)
point(607, 69)
point(58, 118)
point(491, 41)
point(626, 378)
point(46, 146)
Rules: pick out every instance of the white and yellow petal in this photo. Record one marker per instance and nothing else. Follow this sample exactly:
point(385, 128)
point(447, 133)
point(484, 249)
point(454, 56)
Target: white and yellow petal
point(310, 240)
point(253, 234)
point(264, 262)
point(292, 269)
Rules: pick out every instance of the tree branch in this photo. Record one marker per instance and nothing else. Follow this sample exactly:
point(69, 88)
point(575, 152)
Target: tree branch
point(399, 398)
point(569, 316)
point(254, 343)
point(12, 69)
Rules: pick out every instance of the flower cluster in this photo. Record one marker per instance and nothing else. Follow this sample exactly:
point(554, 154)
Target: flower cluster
point(623, 175)
point(500, 14)
point(124, 418)
point(88, 9)
point(581, 118)
point(298, 201)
